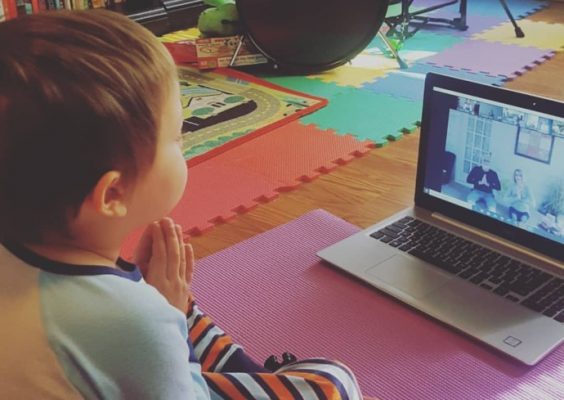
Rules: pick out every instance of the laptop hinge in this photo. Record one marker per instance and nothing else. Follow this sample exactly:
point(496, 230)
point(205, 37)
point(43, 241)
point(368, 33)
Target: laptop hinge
point(498, 240)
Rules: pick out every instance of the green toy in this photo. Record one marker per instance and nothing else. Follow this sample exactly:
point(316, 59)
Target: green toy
point(221, 19)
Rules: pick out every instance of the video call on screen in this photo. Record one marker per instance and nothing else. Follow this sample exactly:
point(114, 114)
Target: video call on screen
point(501, 161)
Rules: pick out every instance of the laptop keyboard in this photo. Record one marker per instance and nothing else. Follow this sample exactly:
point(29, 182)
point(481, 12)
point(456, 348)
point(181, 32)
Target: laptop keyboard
point(493, 271)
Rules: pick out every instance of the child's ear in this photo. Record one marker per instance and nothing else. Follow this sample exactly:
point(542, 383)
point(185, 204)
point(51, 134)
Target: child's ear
point(108, 196)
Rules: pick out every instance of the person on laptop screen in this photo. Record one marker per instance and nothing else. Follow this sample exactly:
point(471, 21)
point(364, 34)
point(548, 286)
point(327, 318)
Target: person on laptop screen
point(485, 181)
point(521, 199)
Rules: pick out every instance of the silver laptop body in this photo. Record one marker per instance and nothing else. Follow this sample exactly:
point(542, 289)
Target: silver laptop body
point(530, 238)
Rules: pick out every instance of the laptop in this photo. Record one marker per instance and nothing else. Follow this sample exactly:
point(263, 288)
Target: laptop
point(482, 249)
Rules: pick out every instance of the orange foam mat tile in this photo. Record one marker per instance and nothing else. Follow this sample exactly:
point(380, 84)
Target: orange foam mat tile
point(256, 172)
point(297, 153)
point(217, 191)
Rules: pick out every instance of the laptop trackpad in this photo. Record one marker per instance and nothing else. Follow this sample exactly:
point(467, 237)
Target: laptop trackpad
point(412, 277)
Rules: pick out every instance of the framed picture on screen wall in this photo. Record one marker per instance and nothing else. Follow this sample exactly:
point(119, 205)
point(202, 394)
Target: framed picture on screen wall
point(534, 145)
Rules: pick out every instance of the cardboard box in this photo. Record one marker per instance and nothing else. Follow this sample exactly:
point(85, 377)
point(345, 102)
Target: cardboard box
point(209, 53)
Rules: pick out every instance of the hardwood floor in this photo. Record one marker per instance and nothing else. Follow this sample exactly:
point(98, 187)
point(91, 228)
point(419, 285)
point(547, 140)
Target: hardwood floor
point(376, 185)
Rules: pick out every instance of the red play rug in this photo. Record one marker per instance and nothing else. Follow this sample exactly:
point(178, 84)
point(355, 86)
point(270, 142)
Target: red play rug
point(224, 108)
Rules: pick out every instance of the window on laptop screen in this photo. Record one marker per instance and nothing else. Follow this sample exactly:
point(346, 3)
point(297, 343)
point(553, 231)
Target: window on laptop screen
point(501, 161)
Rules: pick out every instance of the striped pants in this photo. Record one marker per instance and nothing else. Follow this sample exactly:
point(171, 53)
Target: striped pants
point(231, 374)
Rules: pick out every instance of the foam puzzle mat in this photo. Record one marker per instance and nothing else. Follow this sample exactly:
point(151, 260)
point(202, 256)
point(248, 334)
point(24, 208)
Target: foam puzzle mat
point(430, 42)
point(368, 116)
point(538, 34)
point(458, 73)
point(256, 172)
point(495, 59)
point(351, 76)
point(410, 83)
point(371, 101)
point(400, 84)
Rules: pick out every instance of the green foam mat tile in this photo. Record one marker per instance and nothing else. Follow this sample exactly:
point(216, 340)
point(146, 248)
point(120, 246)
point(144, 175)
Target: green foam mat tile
point(368, 116)
point(421, 41)
point(310, 86)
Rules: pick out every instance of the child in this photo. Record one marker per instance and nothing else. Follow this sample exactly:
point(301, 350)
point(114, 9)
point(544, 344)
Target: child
point(90, 150)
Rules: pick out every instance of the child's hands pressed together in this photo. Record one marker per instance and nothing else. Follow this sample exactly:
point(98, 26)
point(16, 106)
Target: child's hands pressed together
point(166, 262)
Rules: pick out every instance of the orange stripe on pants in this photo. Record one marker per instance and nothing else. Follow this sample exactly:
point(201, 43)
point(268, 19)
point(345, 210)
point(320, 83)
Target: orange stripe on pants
point(217, 348)
point(200, 326)
point(225, 384)
point(327, 387)
point(274, 383)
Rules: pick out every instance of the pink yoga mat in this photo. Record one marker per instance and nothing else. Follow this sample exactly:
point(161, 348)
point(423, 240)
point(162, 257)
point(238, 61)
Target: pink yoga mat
point(272, 294)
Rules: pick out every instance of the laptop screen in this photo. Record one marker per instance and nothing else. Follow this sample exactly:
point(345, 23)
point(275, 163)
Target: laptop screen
point(501, 161)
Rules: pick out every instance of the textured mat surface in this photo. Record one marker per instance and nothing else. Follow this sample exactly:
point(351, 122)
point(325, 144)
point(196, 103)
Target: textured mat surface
point(431, 42)
point(422, 68)
point(225, 108)
point(495, 59)
point(257, 171)
point(315, 87)
point(348, 75)
point(410, 83)
point(272, 295)
point(373, 58)
point(400, 84)
point(368, 116)
point(538, 34)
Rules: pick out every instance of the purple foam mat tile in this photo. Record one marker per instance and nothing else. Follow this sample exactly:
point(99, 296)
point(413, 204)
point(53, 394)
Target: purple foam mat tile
point(476, 24)
point(421, 68)
point(494, 59)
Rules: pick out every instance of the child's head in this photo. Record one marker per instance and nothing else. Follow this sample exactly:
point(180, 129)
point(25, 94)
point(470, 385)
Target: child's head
point(81, 94)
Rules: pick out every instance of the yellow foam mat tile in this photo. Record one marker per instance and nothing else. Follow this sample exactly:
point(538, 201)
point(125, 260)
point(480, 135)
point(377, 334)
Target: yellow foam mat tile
point(373, 58)
point(192, 33)
point(348, 75)
point(541, 35)
point(367, 67)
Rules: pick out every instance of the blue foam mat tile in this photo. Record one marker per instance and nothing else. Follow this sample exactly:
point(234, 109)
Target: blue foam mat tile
point(431, 42)
point(422, 40)
point(410, 83)
point(406, 85)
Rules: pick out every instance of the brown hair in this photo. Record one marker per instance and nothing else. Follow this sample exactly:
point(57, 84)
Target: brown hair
point(81, 93)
